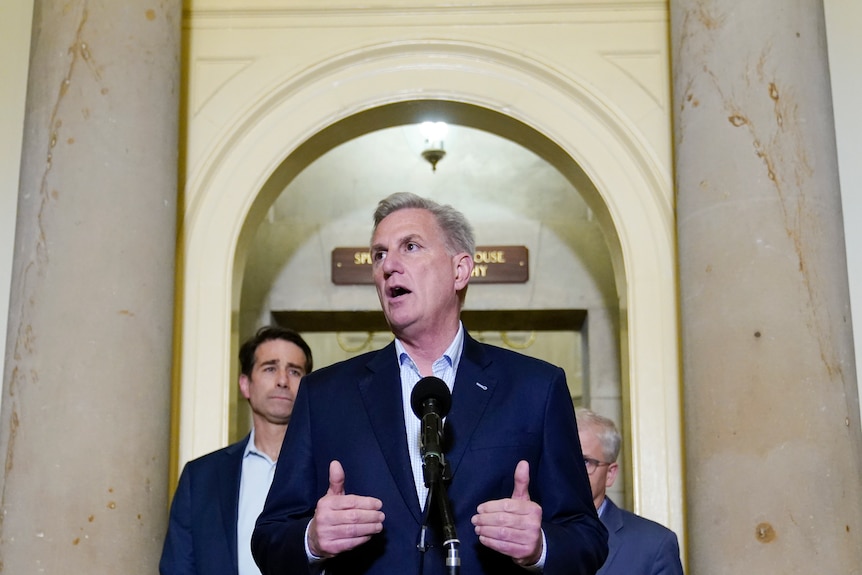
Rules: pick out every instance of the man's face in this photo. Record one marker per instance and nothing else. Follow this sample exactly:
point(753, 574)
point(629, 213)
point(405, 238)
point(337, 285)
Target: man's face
point(271, 389)
point(417, 279)
point(604, 475)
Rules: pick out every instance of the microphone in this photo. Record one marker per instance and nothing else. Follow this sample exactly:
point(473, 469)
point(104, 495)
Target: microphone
point(431, 400)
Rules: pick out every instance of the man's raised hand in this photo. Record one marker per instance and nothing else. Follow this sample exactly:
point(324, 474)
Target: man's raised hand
point(342, 522)
point(512, 526)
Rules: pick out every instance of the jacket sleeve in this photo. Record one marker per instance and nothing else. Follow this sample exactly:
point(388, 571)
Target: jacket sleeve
point(667, 560)
point(576, 538)
point(178, 550)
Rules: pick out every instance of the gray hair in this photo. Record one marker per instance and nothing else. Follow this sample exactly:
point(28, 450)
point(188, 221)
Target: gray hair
point(456, 228)
point(604, 428)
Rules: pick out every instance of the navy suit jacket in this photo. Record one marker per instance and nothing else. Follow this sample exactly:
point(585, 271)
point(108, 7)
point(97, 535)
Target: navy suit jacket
point(201, 538)
point(505, 407)
point(638, 546)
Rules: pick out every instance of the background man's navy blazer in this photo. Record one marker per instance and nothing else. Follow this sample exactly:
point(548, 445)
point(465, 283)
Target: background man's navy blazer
point(201, 538)
point(638, 546)
point(505, 407)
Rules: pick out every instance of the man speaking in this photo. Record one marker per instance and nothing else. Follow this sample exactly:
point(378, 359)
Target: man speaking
point(352, 497)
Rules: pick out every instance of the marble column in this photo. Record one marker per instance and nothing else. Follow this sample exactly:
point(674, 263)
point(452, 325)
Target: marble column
point(85, 423)
point(772, 430)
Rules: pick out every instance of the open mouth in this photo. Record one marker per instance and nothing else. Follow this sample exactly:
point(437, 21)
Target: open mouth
point(397, 291)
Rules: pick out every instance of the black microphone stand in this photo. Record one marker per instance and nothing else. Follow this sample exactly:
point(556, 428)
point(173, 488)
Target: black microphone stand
point(434, 469)
point(431, 401)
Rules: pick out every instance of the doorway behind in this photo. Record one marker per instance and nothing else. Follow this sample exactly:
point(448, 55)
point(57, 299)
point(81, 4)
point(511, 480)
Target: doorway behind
point(566, 312)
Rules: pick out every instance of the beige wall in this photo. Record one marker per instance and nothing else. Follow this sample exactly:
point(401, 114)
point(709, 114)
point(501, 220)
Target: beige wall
point(843, 21)
point(15, 21)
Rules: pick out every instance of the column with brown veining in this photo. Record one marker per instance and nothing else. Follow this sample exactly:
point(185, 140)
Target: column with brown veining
point(85, 412)
point(773, 446)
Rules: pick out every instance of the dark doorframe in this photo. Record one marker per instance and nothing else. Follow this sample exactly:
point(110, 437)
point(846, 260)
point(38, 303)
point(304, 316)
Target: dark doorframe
point(474, 320)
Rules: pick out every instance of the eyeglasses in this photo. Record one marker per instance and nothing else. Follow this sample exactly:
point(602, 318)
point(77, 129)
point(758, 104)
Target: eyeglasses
point(593, 464)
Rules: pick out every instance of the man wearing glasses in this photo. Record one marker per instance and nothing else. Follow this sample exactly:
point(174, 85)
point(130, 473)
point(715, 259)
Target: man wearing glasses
point(636, 546)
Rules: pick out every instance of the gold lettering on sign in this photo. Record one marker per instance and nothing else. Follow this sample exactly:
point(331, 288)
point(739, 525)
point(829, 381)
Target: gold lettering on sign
point(492, 264)
point(492, 257)
point(480, 271)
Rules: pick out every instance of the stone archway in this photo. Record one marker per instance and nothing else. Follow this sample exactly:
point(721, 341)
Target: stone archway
point(554, 116)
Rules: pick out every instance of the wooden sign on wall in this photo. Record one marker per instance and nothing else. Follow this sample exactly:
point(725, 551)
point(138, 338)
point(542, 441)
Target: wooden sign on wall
point(492, 264)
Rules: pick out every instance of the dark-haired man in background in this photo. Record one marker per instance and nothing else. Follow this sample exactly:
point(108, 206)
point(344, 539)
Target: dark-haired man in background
point(220, 495)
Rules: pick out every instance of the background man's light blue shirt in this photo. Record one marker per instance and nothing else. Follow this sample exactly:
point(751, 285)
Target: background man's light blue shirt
point(255, 479)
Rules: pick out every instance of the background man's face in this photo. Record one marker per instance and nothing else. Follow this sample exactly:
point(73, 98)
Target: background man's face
point(271, 389)
point(604, 475)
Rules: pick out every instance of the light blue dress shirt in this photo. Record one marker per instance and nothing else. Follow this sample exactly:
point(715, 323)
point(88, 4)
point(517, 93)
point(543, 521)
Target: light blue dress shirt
point(255, 479)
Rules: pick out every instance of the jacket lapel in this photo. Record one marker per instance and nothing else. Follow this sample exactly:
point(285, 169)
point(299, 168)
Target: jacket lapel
point(470, 396)
point(381, 394)
point(229, 494)
point(613, 520)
